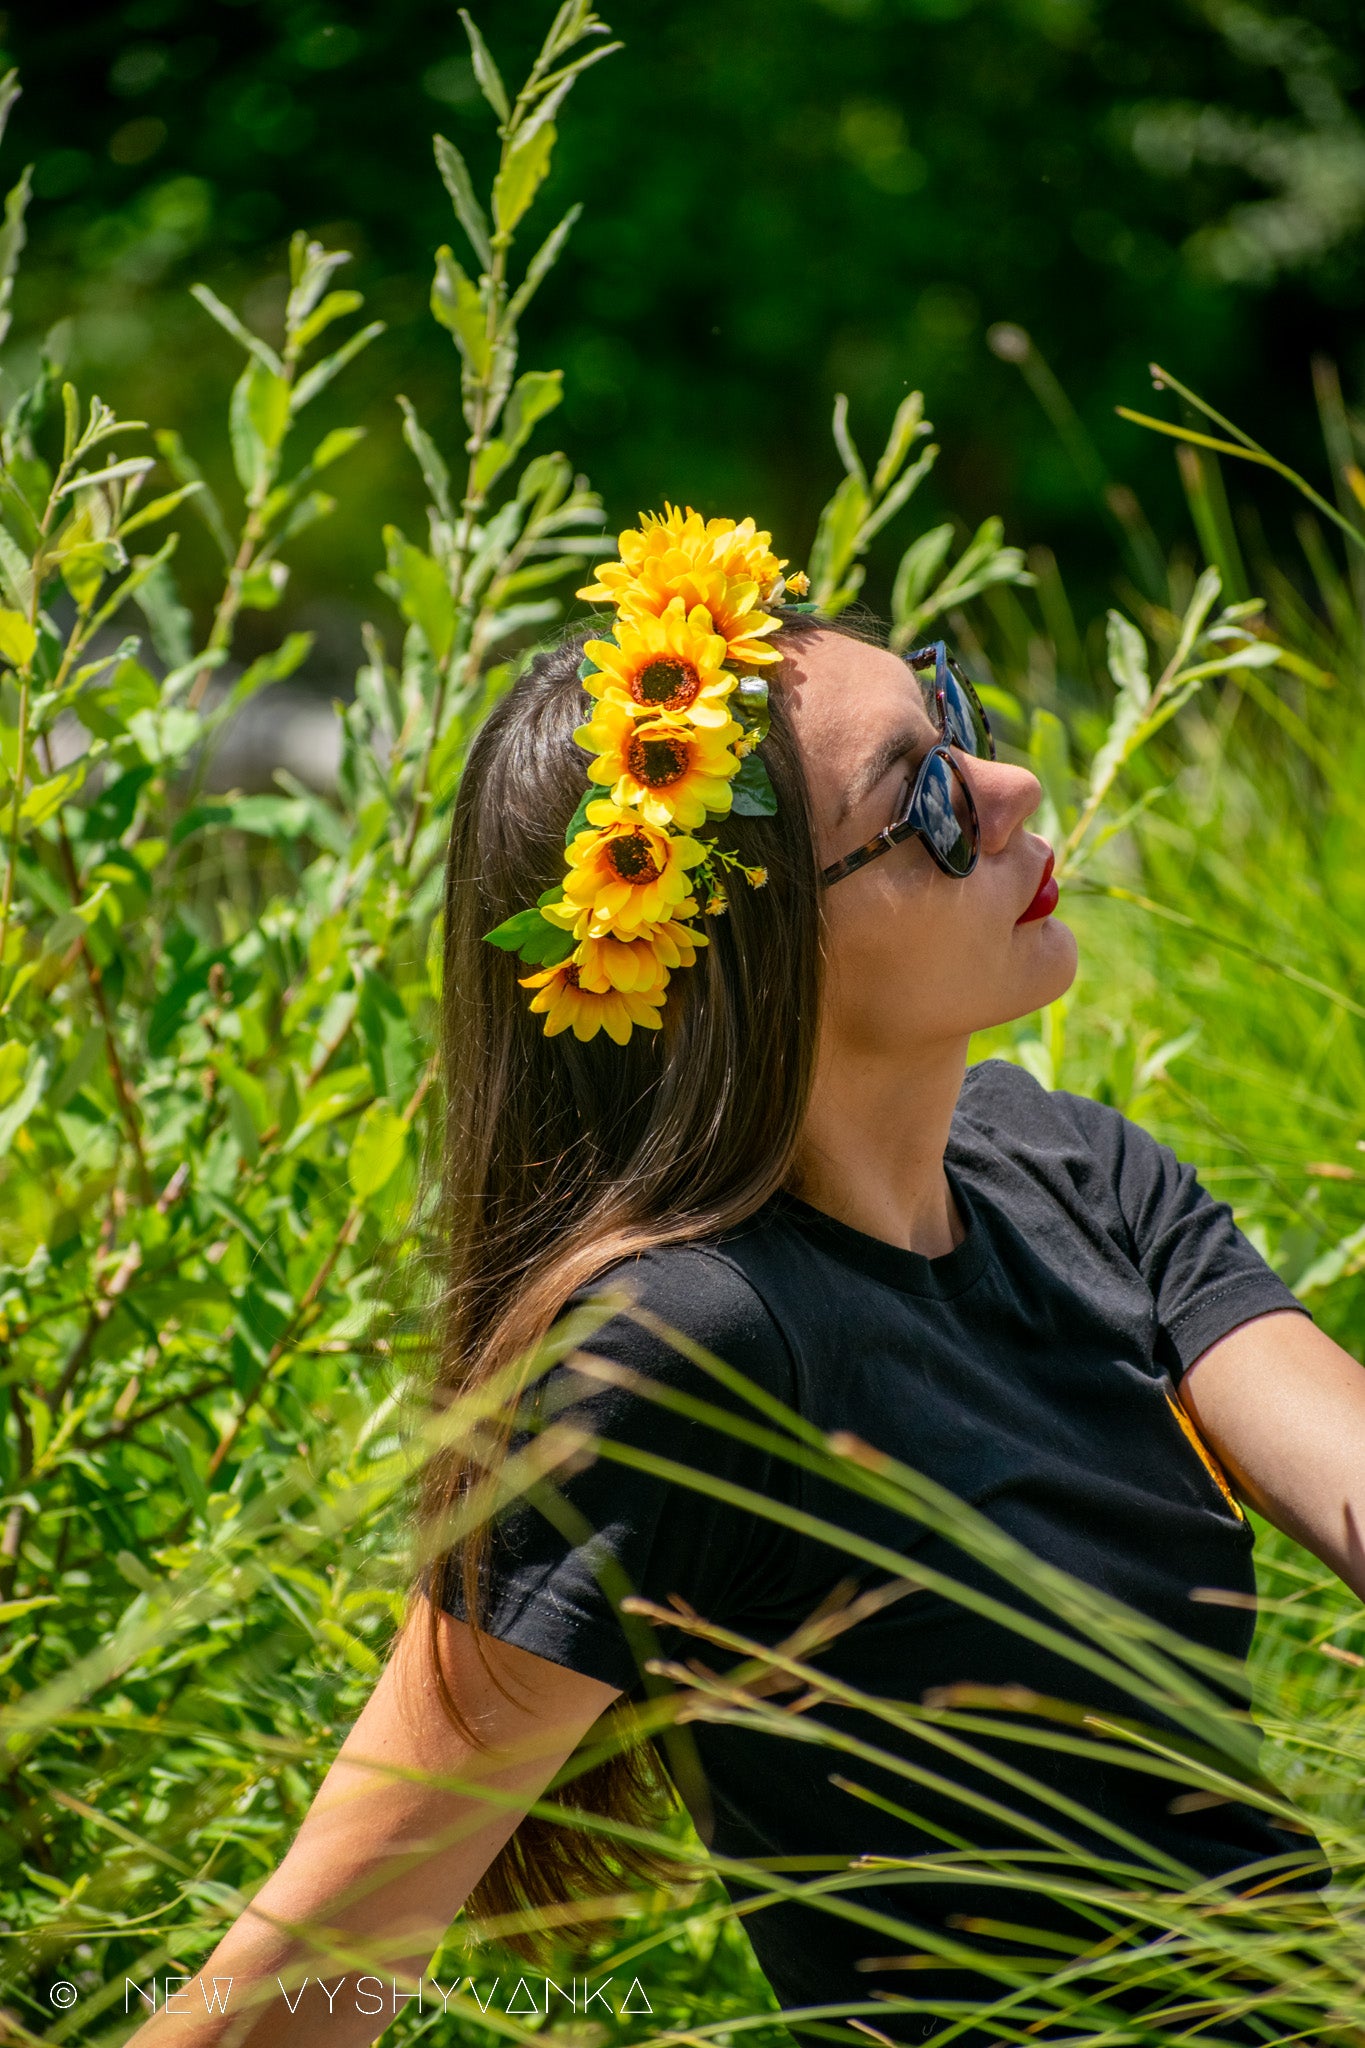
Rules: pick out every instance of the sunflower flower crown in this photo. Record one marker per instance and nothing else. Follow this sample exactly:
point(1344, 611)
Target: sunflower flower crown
point(674, 739)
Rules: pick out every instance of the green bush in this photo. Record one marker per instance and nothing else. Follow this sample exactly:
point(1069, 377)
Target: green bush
point(216, 1077)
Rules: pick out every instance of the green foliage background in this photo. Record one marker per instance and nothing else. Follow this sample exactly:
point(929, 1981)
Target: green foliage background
point(781, 199)
point(218, 1008)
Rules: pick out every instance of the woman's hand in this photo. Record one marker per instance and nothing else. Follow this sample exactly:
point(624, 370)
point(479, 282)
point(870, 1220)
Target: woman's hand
point(383, 1860)
point(1283, 1408)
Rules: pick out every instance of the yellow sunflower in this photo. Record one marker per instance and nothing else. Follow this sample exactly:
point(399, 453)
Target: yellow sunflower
point(569, 1007)
point(673, 663)
point(676, 943)
point(672, 772)
point(739, 550)
point(744, 553)
point(625, 871)
point(632, 965)
point(731, 604)
point(622, 963)
point(674, 940)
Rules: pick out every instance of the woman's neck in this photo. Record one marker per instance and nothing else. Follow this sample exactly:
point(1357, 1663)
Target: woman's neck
point(872, 1145)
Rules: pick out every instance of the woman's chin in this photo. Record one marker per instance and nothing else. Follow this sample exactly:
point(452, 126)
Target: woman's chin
point(1051, 969)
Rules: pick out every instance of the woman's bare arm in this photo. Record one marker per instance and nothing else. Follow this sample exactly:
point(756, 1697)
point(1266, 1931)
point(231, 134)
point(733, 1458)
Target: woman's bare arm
point(383, 1859)
point(1283, 1407)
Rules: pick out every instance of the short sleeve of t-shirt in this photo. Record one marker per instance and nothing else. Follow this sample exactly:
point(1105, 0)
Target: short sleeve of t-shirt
point(1205, 1274)
point(557, 1572)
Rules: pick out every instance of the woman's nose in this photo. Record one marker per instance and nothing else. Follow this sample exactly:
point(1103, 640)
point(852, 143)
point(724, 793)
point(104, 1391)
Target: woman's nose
point(1005, 796)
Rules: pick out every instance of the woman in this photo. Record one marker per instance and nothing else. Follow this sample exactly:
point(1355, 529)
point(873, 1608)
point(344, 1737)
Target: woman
point(776, 1149)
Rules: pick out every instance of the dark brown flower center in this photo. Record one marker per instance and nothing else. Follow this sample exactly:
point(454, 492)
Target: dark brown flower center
point(671, 685)
point(571, 974)
point(657, 762)
point(632, 856)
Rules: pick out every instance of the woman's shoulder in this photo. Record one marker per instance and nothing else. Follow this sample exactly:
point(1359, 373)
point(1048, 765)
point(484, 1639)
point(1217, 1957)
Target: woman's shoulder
point(696, 1290)
point(1010, 1101)
point(1012, 1131)
point(1011, 1128)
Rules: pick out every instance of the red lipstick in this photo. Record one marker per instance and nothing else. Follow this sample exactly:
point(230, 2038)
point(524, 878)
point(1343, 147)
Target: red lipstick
point(1045, 897)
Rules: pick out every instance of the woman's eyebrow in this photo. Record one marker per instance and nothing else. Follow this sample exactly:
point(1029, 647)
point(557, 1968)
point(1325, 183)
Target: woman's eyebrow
point(872, 770)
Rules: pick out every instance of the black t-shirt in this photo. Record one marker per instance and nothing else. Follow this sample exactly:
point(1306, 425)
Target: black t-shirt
point(1030, 1373)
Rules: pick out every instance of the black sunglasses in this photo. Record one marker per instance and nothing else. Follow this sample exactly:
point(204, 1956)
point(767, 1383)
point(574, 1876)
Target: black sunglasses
point(940, 809)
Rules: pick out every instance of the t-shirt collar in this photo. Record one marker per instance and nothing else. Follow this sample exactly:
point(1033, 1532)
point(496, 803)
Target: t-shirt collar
point(935, 1279)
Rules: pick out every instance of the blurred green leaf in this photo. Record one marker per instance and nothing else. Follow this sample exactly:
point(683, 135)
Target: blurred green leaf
point(540, 266)
point(17, 639)
point(43, 800)
point(434, 471)
point(261, 350)
point(519, 180)
point(340, 441)
point(836, 537)
point(258, 418)
point(321, 375)
point(16, 575)
point(17, 1112)
point(843, 441)
point(376, 1150)
point(12, 239)
point(919, 565)
point(333, 307)
point(419, 586)
point(159, 508)
point(1128, 660)
point(262, 587)
point(173, 453)
point(469, 213)
point(457, 304)
point(113, 472)
point(535, 393)
point(485, 70)
point(1049, 754)
point(906, 428)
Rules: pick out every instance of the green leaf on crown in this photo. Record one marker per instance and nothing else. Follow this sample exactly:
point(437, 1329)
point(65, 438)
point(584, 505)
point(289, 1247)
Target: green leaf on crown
point(533, 937)
point(548, 946)
point(513, 931)
point(750, 706)
point(579, 821)
point(753, 794)
point(587, 667)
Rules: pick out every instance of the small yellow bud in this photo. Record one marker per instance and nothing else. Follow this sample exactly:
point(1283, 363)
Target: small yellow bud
point(756, 877)
point(717, 903)
point(799, 583)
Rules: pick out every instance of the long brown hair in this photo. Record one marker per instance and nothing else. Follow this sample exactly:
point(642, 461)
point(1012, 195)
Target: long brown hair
point(560, 1157)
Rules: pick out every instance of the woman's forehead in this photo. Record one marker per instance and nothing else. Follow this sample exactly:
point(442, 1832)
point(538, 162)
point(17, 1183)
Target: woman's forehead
point(850, 703)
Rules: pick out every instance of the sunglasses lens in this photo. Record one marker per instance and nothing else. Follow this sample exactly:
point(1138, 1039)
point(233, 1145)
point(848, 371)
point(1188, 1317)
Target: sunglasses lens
point(945, 816)
point(967, 727)
point(963, 721)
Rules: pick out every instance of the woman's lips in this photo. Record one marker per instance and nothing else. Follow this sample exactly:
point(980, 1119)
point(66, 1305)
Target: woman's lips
point(1045, 898)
